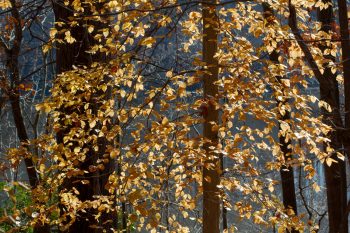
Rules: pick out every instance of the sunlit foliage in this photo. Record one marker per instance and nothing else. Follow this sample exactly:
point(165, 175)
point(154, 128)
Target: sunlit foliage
point(141, 112)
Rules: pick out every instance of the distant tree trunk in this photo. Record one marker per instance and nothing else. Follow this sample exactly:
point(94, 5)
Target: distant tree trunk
point(12, 56)
point(329, 92)
point(224, 209)
point(12, 65)
point(211, 169)
point(287, 173)
point(75, 54)
point(345, 46)
point(14, 98)
point(336, 173)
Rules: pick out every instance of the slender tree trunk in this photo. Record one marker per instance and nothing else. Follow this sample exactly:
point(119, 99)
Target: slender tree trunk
point(211, 169)
point(22, 134)
point(287, 173)
point(12, 56)
point(345, 46)
point(12, 59)
point(336, 173)
point(14, 98)
point(224, 209)
point(329, 92)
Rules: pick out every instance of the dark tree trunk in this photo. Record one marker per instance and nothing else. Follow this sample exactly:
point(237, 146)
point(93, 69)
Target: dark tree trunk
point(345, 46)
point(287, 173)
point(68, 54)
point(12, 58)
point(336, 173)
point(224, 209)
point(14, 98)
point(74, 54)
point(211, 174)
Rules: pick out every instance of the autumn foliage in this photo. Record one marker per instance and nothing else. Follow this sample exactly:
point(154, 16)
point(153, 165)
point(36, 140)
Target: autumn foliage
point(124, 144)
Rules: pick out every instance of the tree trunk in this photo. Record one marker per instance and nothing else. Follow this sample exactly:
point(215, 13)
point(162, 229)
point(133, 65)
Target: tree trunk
point(14, 98)
point(68, 54)
point(287, 173)
point(336, 173)
point(12, 58)
point(224, 209)
point(345, 46)
point(74, 54)
point(211, 169)
point(23, 137)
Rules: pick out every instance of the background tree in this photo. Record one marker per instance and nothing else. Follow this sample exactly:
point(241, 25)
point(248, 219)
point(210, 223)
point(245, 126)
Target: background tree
point(287, 173)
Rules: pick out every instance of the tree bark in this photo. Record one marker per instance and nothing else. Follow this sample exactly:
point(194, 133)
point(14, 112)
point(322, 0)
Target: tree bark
point(336, 173)
point(67, 56)
point(14, 98)
point(212, 167)
point(345, 47)
point(12, 56)
point(12, 65)
point(329, 92)
point(287, 173)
